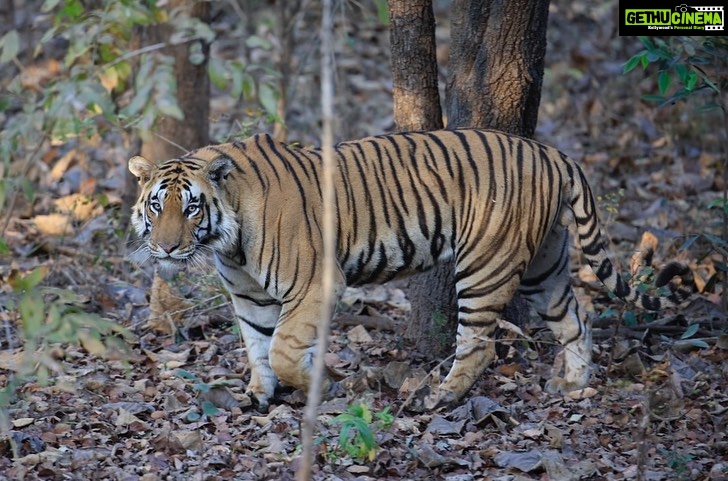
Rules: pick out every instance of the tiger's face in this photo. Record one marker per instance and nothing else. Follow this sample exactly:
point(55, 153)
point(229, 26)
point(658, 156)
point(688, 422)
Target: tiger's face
point(181, 214)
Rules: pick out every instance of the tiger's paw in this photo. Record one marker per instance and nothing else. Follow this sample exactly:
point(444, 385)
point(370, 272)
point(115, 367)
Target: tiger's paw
point(261, 401)
point(561, 386)
point(439, 399)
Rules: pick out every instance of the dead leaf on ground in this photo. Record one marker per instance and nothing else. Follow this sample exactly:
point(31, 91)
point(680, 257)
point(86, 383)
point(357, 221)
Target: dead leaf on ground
point(54, 224)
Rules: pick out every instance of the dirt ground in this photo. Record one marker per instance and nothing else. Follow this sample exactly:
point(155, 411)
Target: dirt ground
point(173, 406)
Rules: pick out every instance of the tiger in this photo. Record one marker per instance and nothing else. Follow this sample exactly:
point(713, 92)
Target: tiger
point(499, 205)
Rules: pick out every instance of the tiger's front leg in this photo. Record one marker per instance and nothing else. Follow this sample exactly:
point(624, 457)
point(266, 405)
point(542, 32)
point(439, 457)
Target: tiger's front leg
point(293, 347)
point(257, 314)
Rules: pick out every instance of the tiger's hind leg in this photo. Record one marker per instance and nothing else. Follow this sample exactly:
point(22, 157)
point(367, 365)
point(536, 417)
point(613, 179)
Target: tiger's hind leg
point(547, 287)
point(256, 314)
point(482, 296)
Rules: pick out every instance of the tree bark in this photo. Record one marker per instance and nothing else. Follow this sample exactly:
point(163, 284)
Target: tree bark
point(175, 137)
point(496, 63)
point(496, 69)
point(414, 65)
point(417, 107)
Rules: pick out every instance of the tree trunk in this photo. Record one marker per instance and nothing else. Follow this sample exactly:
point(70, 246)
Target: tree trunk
point(414, 65)
point(496, 63)
point(496, 69)
point(417, 107)
point(173, 137)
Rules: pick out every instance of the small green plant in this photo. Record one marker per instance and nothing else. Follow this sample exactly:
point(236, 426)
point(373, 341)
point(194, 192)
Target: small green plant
point(678, 462)
point(359, 424)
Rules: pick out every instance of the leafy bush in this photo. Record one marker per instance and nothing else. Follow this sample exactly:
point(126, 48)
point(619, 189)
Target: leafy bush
point(50, 316)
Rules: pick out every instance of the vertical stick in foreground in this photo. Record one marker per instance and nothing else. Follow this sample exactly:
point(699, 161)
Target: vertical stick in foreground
point(327, 188)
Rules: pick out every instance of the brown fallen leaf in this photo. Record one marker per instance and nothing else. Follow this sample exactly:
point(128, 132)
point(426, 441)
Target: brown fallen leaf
point(220, 397)
point(54, 224)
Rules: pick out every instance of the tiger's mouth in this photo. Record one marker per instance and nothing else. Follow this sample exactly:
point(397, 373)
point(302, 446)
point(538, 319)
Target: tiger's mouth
point(177, 261)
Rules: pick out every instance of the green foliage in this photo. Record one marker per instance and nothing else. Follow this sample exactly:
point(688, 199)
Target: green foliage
point(93, 90)
point(50, 316)
point(357, 437)
point(686, 65)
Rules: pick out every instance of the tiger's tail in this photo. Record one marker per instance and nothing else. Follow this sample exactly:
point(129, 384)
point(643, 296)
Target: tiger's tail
point(583, 208)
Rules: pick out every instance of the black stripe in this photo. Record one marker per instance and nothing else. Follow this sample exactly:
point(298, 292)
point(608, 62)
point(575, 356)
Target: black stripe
point(266, 331)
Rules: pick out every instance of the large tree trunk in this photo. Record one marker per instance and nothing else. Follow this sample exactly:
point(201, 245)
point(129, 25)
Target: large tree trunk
point(496, 64)
point(496, 69)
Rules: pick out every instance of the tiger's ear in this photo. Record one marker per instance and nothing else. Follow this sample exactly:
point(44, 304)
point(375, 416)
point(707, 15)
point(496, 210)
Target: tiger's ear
point(218, 169)
point(141, 168)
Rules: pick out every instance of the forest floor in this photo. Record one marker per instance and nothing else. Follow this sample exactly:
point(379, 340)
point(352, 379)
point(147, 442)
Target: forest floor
point(172, 406)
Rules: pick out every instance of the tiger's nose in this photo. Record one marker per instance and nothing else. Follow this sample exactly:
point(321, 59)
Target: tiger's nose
point(168, 248)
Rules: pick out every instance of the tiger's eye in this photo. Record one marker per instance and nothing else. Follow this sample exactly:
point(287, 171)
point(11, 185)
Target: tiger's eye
point(192, 210)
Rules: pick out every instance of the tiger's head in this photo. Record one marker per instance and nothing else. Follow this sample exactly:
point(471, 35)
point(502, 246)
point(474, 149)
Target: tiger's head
point(181, 213)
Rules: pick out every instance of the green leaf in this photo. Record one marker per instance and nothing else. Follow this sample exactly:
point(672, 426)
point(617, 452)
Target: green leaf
point(711, 84)
point(699, 343)
point(248, 86)
point(692, 80)
point(254, 41)
point(690, 331)
point(632, 63)
point(663, 81)
point(209, 409)
point(9, 45)
point(28, 282)
point(682, 71)
point(647, 42)
point(170, 108)
point(644, 61)
point(201, 387)
point(196, 55)
point(218, 73)
point(268, 98)
point(73, 9)
point(717, 203)
point(629, 319)
point(185, 374)
point(32, 312)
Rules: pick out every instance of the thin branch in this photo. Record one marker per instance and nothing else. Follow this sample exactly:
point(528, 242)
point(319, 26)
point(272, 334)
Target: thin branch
point(327, 281)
